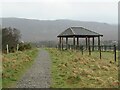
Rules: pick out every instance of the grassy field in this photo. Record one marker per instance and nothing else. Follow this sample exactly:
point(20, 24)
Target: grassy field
point(15, 64)
point(71, 69)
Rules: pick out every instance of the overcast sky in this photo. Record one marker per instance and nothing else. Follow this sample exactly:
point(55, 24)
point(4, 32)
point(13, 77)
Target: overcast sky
point(84, 10)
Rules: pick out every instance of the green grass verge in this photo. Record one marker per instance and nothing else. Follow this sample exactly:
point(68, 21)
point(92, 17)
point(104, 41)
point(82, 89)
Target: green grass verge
point(71, 69)
point(14, 66)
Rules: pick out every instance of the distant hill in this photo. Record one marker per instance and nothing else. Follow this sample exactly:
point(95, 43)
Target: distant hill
point(40, 30)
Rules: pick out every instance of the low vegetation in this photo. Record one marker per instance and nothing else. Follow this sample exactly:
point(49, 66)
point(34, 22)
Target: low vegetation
point(71, 69)
point(15, 64)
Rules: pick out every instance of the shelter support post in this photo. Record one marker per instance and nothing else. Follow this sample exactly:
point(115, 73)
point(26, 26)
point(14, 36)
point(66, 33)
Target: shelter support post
point(89, 46)
point(73, 42)
point(77, 42)
point(86, 42)
point(89, 41)
point(62, 43)
point(93, 44)
point(66, 42)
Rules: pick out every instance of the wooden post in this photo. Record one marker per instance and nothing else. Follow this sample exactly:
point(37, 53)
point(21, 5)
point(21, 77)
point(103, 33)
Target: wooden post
point(66, 42)
point(93, 45)
point(89, 50)
point(77, 42)
point(89, 41)
point(86, 43)
point(62, 43)
point(82, 49)
point(74, 42)
point(100, 51)
point(17, 47)
point(89, 46)
point(98, 42)
point(7, 48)
point(115, 52)
point(68, 46)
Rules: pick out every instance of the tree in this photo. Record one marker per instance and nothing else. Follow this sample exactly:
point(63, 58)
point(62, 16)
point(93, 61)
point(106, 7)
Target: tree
point(10, 36)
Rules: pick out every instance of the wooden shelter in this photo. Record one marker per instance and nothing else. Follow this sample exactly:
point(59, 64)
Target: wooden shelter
point(78, 32)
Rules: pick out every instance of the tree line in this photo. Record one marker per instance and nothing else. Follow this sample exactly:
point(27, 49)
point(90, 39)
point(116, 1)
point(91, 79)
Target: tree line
point(12, 38)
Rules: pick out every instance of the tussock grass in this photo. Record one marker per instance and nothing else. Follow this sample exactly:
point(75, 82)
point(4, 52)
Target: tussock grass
point(71, 69)
point(15, 64)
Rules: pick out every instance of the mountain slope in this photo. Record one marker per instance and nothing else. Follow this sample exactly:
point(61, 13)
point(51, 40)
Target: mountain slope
point(39, 30)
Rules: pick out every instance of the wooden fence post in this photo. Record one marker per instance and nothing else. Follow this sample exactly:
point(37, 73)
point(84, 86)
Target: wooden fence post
point(100, 51)
point(115, 53)
point(7, 48)
point(17, 47)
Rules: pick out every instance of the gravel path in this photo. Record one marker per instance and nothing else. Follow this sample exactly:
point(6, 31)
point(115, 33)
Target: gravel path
point(38, 76)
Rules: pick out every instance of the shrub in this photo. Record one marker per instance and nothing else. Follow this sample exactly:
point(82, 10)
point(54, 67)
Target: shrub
point(24, 46)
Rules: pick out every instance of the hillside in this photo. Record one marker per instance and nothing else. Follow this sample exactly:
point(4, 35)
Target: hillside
point(39, 30)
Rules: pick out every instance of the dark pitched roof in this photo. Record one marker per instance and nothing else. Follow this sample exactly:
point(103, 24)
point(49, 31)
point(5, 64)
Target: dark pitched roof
point(78, 31)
